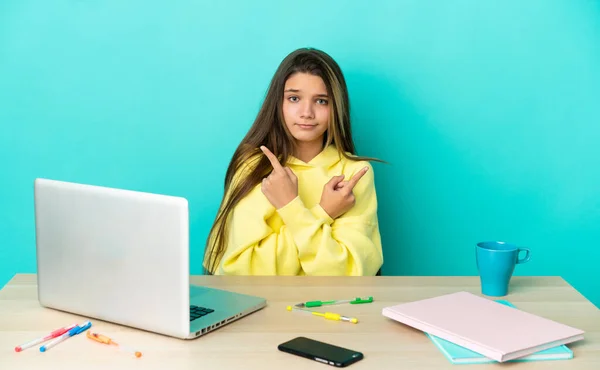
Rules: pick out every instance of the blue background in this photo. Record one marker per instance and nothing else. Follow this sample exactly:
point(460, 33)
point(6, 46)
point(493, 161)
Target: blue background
point(487, 111)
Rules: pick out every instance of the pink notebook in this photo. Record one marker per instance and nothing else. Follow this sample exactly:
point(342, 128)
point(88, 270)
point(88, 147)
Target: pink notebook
point(494, 330)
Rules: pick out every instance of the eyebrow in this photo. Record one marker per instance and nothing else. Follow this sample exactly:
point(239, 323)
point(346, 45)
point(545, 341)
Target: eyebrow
point(297, 91)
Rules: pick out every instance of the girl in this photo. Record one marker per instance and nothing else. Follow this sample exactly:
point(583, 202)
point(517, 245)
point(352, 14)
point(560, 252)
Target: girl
point(298, 201)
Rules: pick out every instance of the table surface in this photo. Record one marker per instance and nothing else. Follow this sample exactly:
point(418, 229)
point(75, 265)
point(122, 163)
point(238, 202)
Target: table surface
point(251, 343)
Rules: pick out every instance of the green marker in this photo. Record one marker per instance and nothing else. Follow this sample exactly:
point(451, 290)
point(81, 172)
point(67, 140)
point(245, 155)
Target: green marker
point(357, 300)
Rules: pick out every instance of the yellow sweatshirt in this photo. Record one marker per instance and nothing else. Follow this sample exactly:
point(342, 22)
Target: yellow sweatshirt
point(300, 238)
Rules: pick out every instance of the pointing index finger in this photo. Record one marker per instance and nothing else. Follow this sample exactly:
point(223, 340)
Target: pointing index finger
point(357, 176)
point(274, 161)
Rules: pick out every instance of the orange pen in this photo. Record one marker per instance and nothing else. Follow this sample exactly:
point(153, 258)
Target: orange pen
point(106, 340)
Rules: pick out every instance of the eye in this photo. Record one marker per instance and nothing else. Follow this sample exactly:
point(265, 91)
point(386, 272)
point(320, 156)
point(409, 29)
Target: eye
point(322, 102)
point(293, 99)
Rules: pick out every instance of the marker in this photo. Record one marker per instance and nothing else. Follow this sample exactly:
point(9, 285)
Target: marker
point(357, 300)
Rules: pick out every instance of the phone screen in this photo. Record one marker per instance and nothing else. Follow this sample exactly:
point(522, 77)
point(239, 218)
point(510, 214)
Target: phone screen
point(321, 352)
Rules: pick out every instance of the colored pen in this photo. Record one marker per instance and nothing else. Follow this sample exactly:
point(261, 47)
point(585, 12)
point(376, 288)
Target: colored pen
point(76, 330)
point(52, 335)
point(106, 340)
point(327, 315)
point(357, 300)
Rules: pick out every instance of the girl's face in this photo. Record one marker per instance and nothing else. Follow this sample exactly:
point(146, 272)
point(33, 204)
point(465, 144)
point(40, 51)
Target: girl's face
point(306, 108)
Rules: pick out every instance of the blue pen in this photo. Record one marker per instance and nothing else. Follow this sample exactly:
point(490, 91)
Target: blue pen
point(76, 330)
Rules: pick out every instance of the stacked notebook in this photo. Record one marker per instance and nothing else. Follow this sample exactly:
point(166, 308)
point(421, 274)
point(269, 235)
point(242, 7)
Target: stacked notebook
point(460, 355)
point(482, 326)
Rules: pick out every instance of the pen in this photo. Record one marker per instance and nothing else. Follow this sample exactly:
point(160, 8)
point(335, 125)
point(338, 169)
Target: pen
point(52, 335)
point(76, 330)
point(106, 340)
point(327, 315)
point(357, 300)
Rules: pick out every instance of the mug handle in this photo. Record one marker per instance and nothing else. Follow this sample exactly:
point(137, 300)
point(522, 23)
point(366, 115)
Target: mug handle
point(527, 255)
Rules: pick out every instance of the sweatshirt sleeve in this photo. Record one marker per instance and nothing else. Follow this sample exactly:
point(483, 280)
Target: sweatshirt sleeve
point(308, 240)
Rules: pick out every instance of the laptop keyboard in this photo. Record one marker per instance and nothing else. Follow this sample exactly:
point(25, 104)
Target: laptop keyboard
point(196, 312)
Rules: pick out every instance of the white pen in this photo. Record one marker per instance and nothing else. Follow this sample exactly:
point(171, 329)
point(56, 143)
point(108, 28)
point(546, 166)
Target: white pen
point(52, 335)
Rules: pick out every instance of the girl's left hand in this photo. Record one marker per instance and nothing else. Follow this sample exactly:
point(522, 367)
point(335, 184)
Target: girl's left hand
point(281, 186)
point(337, 197)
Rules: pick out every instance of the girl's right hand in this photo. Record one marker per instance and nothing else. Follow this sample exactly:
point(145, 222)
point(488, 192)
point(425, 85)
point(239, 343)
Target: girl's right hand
point(281, 186)
point(337, 197)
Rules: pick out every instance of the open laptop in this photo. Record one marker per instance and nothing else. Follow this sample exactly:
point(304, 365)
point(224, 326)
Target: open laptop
point(123, 256)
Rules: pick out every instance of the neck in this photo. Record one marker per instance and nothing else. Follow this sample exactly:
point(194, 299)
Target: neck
point(306, 151)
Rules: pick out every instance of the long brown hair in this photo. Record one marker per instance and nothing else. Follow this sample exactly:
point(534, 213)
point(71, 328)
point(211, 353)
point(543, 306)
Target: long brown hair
point(270, 130)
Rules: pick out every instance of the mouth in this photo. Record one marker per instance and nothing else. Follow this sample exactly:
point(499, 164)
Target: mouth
point(306, 126)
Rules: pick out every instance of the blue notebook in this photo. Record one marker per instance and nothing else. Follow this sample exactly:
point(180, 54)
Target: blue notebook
point(460, 355)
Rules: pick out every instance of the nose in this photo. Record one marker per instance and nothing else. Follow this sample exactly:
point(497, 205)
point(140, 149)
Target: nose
point(307, 110)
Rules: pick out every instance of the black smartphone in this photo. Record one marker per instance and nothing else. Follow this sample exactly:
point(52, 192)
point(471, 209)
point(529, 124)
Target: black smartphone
point(322, 352)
